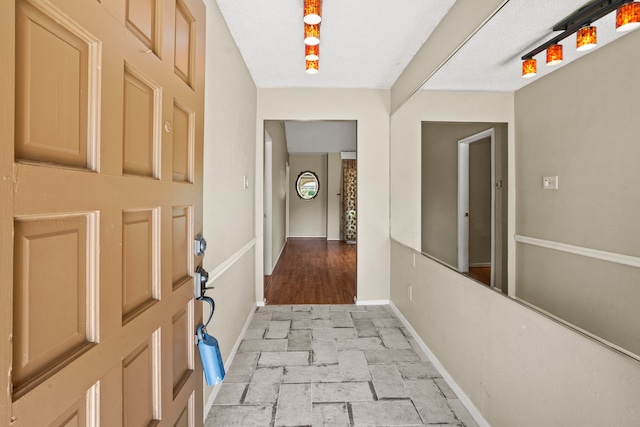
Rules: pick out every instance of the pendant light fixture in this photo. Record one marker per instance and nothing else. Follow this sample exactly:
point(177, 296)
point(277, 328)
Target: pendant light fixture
point(628, 16)
point(529, 68)
point(312, 53)
point(311, 34)
point(312, 67)
point(312, 12)
point(579, 22)
point(586, 38)
point(554, 54)
point(312, 16)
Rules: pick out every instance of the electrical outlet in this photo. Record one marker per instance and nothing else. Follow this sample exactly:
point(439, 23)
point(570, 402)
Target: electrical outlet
point(550, 183)
point(245, 182)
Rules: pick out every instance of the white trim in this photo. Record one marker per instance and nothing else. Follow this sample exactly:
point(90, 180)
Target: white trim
point(480, 264)
point(372, 302)
point(278, 257)
point(227, 365)
point(268, 205)
point(579, 250)
point(227, 263)
point(462, 396)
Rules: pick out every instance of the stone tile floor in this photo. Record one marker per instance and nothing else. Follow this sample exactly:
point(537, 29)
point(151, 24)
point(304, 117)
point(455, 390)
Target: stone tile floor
point(333, 365)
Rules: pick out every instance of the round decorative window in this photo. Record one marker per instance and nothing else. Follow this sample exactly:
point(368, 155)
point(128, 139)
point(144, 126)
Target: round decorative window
point(307, 185)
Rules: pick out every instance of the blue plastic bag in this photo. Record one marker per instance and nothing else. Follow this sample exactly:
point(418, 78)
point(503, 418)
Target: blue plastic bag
point(210, 356)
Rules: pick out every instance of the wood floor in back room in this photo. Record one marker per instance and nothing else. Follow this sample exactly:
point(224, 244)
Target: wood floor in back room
point(313, 271)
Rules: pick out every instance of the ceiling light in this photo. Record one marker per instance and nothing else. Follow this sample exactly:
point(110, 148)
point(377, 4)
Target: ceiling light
point(312, 67)
point(529, 68)
point(586, 38)
point(628, 13)
point(312, 11)
point(554, 54)
point(628, 16)
point(311, 34)
point(311, 53)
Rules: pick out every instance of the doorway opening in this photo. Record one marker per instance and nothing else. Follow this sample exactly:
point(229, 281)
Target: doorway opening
point(310, 243)
point(476, 206)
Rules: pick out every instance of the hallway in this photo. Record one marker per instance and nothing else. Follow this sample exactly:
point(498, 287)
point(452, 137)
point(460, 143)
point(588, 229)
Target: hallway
point(339, 365)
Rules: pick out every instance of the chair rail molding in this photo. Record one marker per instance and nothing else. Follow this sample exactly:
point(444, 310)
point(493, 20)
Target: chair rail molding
point(579, 250)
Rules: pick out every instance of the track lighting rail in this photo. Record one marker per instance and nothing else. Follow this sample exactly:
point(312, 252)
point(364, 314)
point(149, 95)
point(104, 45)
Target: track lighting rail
point(578, 19)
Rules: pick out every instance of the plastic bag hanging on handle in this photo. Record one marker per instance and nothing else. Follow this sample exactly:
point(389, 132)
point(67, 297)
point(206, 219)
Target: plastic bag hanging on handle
point(210, 351)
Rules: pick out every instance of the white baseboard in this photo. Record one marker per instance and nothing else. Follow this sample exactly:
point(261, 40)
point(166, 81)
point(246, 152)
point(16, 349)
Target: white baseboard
point(464, 399)
point(278, 257)
point(227, 365)
point(372, 302)
point(480, 264)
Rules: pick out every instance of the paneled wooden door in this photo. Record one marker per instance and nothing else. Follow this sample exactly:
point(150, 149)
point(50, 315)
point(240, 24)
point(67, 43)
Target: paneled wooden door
point(101, 127)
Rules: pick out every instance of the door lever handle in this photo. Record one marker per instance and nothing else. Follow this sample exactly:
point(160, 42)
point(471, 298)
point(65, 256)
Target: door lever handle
point(200, 281)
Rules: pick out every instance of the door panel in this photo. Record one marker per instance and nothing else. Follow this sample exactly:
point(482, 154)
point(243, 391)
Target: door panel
point(183, 133)
point(99, 211)
point(52, 65)
point(139, 262)
point(141, 21)
point(181, 233)
point(141, 119)
point(52, 269)
point(140, 371)
point(184, 42)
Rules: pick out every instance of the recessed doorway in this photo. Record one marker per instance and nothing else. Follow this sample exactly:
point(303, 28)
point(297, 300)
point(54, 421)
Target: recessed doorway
point(313, 239)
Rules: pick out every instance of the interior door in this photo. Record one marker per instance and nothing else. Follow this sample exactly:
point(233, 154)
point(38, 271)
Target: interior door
point(464, 211)
point(101, 133)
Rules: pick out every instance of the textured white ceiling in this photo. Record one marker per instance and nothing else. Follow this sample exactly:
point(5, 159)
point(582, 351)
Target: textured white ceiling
point(309, 137)
point(491, 59)
point(368, 43)
point(363, 43)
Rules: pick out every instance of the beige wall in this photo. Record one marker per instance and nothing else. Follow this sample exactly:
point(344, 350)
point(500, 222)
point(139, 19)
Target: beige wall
point(229, 209)
point(581, 124)
point(371, 110)
point(519, 368)
point(308, 218)
point(334, 182)
point(279, 184)
point(509, 359)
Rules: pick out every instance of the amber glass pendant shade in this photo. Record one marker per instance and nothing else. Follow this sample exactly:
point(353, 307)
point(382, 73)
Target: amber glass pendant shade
point(312, 12)
point(586, 38)
point(312, 67)
point(554, 54)
point(311, 34)
point(312, 53)
point(529, 68)
point(628, 16)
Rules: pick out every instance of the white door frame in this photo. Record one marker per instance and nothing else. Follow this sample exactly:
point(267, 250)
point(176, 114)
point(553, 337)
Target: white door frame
point(463, 200)
point(287, 195)
point(268, 204)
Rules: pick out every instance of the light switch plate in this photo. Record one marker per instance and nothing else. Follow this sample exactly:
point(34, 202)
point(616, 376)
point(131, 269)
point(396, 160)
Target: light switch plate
point(550, 183)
